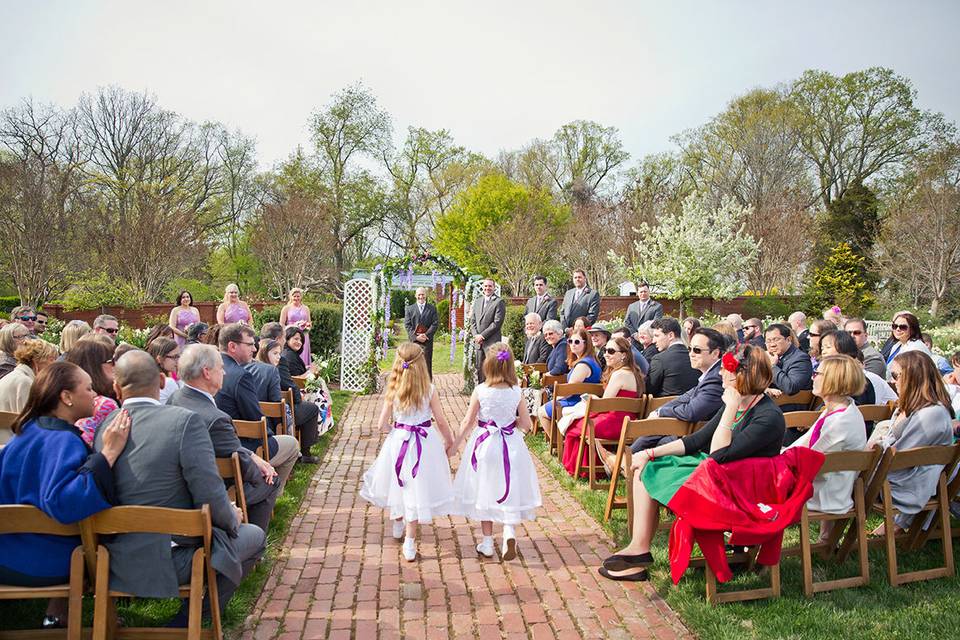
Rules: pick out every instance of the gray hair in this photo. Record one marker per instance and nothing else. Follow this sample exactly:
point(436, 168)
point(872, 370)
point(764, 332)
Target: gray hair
point(736, 320)
point(195, 358)
point(797, 316)
point(553, 325)
point(8, 343)
point(646, 328)
point(533, 317)
point(419, 289)
point(103, 319)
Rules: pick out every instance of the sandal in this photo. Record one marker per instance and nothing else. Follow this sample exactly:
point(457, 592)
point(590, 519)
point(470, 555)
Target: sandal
point(639, 576)
point(624, 562)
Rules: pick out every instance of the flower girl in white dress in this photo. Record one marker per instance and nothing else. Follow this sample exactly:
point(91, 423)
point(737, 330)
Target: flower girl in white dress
point(496, 481)
point(411, 475)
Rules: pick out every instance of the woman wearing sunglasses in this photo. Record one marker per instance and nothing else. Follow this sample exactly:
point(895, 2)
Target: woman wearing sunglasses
point(621, 379)
point(906, 337)
point(584, 367)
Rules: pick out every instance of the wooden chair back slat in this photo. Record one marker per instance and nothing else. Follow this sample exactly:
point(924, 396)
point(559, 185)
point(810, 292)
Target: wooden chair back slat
point(800, 419)
point(634, 429)
point(576, 388)
point(875, 412)
point(290, 429)
point(924, 456)
point(24, 518)
point(653, 404)
point(801, 397)
point(548, 381)
point(606, 405)
point(271, 409)
point(179, 522)
point(859, 461)
point(7, 418)
point(257, 430)
point(300, 381)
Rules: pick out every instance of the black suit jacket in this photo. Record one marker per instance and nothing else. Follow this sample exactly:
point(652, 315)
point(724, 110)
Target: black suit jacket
point(699, 403)
point(412, 317)
point(635, 318)
point(291, 365)
point(547, 310)
point(536, 349)
point(671, 373)
point(588, 305)
point(238, 396)
point(267, 379)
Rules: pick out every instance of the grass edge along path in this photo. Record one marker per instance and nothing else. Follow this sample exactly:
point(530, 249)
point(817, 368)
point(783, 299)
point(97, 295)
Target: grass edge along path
point(919, 610)
point(27, 614)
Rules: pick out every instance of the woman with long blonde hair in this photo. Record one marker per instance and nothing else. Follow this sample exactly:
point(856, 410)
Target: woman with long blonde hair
point(411, 475)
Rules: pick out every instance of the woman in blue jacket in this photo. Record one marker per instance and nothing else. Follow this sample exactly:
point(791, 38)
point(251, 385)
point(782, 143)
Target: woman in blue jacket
point(47, 464)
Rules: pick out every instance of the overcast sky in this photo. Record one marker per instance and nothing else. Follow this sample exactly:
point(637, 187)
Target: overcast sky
point(495, 73)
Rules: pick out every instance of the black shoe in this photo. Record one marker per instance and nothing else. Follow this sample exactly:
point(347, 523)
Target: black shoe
point(309, 460)
point(639, 576)
point(622, 563)
point(52, 622)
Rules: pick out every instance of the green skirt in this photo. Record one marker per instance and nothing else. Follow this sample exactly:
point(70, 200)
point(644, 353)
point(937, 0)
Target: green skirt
point(663, 476)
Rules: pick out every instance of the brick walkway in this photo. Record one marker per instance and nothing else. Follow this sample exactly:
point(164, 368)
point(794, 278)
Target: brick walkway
point(342, 576)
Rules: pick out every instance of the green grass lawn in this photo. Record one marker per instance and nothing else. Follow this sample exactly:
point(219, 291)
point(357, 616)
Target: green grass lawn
point(26, 614)
point(919, 610)
point(441, 358)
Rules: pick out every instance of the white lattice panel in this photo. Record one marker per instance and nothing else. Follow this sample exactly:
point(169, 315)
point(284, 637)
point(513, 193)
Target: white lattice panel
point(356, 336)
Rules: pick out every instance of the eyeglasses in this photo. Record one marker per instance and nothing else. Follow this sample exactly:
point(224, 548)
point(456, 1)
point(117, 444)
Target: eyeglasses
point(857, 333)
point(249, 344)
point(28, 318)
point(901, 327)
point(610, 351)
point(577, 341)
point(814, 335)
point(112, 332)
point(698, 350)
point(176, 357)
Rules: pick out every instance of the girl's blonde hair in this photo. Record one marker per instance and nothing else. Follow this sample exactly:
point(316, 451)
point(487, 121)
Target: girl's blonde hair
point(498, 367)
point(409, 383)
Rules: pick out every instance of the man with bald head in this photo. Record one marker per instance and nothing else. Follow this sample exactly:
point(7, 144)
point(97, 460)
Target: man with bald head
point(169, 462)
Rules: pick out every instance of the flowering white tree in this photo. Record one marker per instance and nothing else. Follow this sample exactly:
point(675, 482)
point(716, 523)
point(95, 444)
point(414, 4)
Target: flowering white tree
point(700, 251)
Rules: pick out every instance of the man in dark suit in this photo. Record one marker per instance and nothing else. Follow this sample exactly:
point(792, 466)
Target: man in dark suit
point(238, 395)
point(643, 310)
point(542, 304)
point(581, 300)
point(201, 371)
point(798, 322)
point(489, 311)
point(421, 321)
point(169, 462)
point(535, 347)
point(670, 370)
point(753, 333)
point(702, 401)
point(792, 370)
point(557, 358)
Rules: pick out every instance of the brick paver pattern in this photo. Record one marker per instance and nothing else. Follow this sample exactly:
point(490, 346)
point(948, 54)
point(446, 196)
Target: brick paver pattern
point(341, 574)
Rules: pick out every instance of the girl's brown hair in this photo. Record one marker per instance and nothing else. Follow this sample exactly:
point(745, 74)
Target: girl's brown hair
point(160, 348)
point(266, 346)
point(919, 384)
point(90, 355)
point(625, 347)
point(409, 384)
point(754, 374)
point(587, 347)
point(497, 367)
point(45, 392)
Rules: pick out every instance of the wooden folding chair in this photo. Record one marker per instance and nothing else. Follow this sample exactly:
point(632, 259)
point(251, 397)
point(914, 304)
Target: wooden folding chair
point(804, 398)
point(562, 391)
point(802, 420)
point(547, 382)
point(274, 410)
point(229, 469)
point(715, 596)
point(256, 430)
point(300, 381)
point(528, 369)
point(633, 429)
point(863, 464)
point(875, 412)
point(287, 397)
point(654, 404)
point(588, 436)
point(16, 518)
point(180, 522)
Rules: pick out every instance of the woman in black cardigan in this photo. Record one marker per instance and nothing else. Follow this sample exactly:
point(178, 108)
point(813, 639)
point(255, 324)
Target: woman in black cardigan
point(749, 425)
point(305, 414)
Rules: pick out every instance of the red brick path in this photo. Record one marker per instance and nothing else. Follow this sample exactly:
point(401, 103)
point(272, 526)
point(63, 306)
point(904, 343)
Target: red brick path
point(342, 576)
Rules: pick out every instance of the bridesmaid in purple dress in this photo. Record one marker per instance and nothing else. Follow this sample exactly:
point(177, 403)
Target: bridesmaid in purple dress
point(182, 316)
point(233, 309)
point(298, 314)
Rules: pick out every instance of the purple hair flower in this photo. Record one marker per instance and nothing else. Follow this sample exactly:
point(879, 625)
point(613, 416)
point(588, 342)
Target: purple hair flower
point(405, 365)
point(503, 355)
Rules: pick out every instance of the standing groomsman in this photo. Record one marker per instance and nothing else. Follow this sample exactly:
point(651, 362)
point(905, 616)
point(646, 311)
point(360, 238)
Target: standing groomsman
point(643, 310)
point(543, 303)
point(488, 314)
point(581, 300)
point(420, 320)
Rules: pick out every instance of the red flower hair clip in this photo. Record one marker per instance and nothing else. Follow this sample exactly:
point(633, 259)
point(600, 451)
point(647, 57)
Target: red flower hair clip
point(730, 362)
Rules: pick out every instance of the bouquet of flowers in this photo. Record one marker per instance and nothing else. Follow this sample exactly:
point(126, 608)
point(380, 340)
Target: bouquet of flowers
point(533, 380)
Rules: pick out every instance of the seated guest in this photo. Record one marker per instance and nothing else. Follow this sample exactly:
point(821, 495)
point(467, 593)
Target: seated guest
point(833, 314)
point(670, 370)
point(727, 330)
point(159, 331)
point(642, 364)
point(266, 376)
point(26, 316)
point(818, 329)
point(305, 414)
point(942, 365)
point(753, 333)
point(106, 325)
point(621, 379)
point(873, 361)
point(96, 359)
point(749, 425)
point(842, 343)
point(583, 367)
point(798, 323)
point(72, 332)
point(238, 396)
point(172, 465)
point(736, 320)
point(792, 370)
point(32, 357)
point(271, 331)
point(201, 370)
point(907, 337)
point(535, 347)
point(840, 427)
point(644, 336)
point(923, 418)
point(557, 359)
point(11, 337)
point(48, 466)
point(689, 326)
point(167, 354)
point(197, 333)
point(599, 337)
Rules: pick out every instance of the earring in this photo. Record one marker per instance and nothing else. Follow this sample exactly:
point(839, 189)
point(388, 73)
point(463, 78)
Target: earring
point(69, 404)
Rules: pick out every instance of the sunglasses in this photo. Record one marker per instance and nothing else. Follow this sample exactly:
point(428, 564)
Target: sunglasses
point(28, 318)
point(610, 351)
point(901, 327)
point(112, 332)
point(698, 350)
point(577, 341)
point(856, 333)
point(814, 335)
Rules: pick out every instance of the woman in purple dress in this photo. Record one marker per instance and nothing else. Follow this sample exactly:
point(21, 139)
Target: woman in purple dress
point(297, 314)
point(233, 309)
point(182, 316)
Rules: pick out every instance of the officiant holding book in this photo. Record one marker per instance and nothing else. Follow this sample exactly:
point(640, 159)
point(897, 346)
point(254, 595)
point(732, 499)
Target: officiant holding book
point(420, 320)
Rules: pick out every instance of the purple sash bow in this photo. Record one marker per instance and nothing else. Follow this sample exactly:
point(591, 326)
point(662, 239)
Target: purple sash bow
point(417, 431)
point(504, 431)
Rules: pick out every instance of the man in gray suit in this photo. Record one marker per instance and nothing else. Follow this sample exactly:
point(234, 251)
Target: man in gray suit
point(873, 361)
point(201, 371)
point(169, 462)
point(581, 300)
point(542, 304)
point(641, 311)
point(489, 311)
point(421, 321)
point(535, 347)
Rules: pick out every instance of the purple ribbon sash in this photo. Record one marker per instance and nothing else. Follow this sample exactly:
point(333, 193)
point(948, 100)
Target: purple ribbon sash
point(504, 431)
point(417, 431)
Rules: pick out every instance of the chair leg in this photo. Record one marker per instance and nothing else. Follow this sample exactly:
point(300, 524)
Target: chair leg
point(947, 539)
point(890, 536)
point(102, 599)
point(75, 600)
point(214, 597)
point(860, 522)
point(583, 435)
point(196, 596)
point(806, 559)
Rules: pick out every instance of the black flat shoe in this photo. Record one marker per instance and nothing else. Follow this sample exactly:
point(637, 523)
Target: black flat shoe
point(623, 562)
point(309, 460)
point(639, 576)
